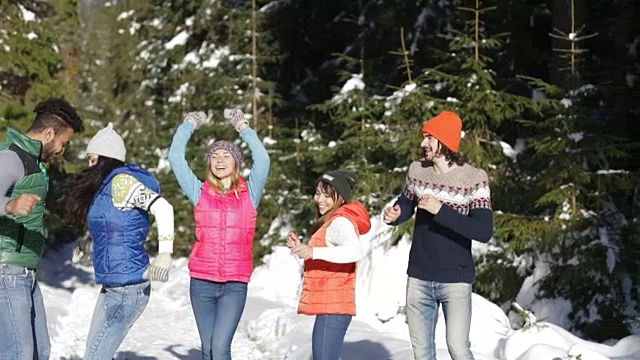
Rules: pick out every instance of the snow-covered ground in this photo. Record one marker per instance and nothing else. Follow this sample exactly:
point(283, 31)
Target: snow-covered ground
point(270, 328)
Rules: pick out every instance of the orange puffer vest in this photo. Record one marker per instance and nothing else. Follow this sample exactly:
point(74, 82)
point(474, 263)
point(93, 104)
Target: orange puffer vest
point(330, 288)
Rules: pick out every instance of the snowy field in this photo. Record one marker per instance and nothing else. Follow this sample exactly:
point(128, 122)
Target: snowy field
point(270, 328)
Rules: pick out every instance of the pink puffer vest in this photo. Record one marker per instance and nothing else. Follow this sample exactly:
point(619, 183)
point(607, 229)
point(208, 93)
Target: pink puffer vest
point(225, 226)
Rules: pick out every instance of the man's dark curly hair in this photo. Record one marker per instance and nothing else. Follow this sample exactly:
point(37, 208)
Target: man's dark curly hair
point(57, 114)
point(450, 156)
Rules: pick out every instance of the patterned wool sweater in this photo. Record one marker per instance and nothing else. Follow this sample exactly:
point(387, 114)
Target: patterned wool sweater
point(441, 247)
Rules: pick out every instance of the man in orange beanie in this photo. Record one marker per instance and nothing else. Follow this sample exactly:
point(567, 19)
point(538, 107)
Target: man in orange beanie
point(453, 207)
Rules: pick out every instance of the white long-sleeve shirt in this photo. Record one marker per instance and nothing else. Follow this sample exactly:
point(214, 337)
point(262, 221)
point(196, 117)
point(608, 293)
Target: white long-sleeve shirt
point(343, 243)
point(128, 193)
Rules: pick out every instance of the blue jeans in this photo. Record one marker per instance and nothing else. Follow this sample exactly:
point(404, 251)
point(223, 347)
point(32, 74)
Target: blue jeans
point(217, 307)
point(328, 336)
point(116, 310)
point(23, 323)
point(423, 301)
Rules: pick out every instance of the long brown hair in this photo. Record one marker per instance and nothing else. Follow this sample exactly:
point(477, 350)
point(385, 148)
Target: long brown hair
point(77, 192)
point(338, 201)
point(451, 156)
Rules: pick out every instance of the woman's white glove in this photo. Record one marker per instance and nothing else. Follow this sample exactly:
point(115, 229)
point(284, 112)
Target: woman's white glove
point(236, 118)
point(159, 268)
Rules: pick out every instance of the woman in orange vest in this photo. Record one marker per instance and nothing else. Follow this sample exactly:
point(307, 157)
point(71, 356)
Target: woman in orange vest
point(331, 259)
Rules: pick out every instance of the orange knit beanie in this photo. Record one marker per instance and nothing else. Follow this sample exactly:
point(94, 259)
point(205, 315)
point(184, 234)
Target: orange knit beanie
point(447, 128)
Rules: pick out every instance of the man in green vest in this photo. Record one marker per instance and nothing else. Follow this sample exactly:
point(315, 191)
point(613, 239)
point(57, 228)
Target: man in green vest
point(24, 184)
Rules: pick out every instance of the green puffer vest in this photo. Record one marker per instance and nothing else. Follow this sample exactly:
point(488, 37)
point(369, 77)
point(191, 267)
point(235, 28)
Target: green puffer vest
point(22, 237)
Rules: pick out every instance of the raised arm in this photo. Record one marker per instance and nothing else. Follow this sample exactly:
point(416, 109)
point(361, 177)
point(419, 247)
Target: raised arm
point(187, 180)
point(261, 164)
point(259, 156)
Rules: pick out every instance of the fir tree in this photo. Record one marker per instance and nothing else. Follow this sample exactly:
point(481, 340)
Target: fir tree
point(591, 241)
point(38, 60)
point(31, 63)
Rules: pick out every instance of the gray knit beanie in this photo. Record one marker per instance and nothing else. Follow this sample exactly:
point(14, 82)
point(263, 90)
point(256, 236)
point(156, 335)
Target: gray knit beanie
point(232, 148)
point(107, 143)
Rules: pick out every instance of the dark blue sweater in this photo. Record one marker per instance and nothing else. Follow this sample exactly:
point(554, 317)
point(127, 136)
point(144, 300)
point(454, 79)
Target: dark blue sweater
point(441, 247)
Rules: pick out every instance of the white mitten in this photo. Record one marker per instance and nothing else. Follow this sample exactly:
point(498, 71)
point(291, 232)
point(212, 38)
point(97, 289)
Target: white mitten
point(197, 118)
point(236, 118)
point(159, 268)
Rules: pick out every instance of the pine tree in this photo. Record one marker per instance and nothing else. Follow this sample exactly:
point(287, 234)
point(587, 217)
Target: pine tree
point(31, 62)
point(38, 60)
point(589, 249)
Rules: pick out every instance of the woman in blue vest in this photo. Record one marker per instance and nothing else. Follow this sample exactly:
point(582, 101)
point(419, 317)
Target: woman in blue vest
point(114, 199)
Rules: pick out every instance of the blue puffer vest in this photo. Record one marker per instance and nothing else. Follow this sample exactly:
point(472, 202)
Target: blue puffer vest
point(119, 256)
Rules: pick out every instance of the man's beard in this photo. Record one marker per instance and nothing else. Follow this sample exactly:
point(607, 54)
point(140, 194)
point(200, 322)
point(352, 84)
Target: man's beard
point(47, 152)
point(425, 153)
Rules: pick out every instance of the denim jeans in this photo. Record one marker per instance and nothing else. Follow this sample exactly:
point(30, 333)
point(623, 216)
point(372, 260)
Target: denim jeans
point(217, 307)
point(328, 336)
point(23, 323)
point(423, 301)
point(116, 310)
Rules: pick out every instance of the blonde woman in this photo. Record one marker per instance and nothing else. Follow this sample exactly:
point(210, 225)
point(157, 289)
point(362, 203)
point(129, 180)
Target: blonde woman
point(225, 213)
